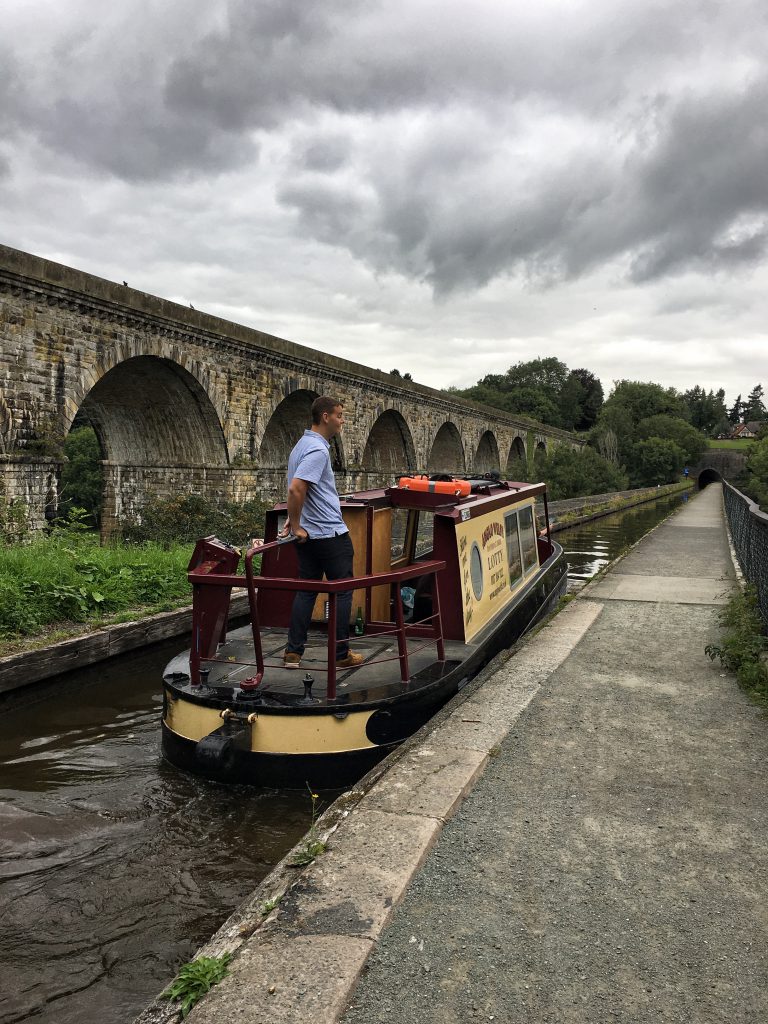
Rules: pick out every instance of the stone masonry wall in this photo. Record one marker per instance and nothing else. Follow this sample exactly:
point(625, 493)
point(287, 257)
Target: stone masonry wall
point(183, 400)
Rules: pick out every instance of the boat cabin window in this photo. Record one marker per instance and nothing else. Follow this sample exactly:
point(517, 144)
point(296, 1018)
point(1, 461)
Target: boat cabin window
point(522, 549)
point(514, 559)
point(528, 544)
point(399, 533)
point(425, 531)
point(412, 535)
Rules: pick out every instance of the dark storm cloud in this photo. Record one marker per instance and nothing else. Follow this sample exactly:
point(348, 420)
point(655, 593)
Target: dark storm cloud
point(453, 144)
point(323, 154)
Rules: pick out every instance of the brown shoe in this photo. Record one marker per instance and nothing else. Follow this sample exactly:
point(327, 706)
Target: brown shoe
point(352, 660)
point(291, 660)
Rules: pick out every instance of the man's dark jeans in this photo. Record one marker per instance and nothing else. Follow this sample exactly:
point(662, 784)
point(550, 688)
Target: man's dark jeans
point(330, 557)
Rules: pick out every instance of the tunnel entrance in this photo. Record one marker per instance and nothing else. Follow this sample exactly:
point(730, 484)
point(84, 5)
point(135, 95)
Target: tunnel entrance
point(708, 476)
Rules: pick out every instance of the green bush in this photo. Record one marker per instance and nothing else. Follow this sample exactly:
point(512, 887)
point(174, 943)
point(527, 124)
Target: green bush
point(572, 474)
point(187, 517)
point(82, 479)
point(14, 520)
point(672, 428)
point(744, 642)
point(755, 479)
point(655, 461)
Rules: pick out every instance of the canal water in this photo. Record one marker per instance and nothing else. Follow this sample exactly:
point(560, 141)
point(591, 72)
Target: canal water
point(114, 866)
point(591, 546)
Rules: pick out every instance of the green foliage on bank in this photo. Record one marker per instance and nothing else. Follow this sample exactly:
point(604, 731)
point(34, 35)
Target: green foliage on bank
point(195, 979)
point(744, 643)
point(82, 478)
point(573, 473)
point(185, 518)
point(645, 431)
point(56, 581)
point(754, 480)
point(68, 577)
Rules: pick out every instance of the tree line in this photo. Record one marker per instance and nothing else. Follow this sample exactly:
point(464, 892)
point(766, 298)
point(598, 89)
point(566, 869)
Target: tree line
point(641, 435)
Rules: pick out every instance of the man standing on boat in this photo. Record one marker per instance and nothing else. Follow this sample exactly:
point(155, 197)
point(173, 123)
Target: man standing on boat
point(324, 546)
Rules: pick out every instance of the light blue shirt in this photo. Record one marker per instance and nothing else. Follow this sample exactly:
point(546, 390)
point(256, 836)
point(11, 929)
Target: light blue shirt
point(310, 461)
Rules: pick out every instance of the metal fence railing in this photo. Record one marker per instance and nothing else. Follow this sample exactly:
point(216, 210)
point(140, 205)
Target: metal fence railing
point(749, 529)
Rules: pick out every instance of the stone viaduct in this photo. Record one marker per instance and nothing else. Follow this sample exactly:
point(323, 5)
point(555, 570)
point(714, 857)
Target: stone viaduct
point(186, 402)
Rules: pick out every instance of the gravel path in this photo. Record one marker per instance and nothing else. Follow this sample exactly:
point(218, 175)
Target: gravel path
point(610, 864)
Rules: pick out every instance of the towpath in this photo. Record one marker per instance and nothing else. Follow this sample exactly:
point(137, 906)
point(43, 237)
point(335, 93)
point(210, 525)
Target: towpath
point(611, 862)
point(579, 837)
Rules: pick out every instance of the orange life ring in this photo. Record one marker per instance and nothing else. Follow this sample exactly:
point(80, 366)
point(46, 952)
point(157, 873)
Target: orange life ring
point(457, 488)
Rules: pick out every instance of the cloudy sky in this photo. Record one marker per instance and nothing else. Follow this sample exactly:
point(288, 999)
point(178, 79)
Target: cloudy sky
point(442, 187)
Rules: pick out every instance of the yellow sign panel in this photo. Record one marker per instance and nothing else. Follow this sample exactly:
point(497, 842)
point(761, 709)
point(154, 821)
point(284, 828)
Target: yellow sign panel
point(484, 568)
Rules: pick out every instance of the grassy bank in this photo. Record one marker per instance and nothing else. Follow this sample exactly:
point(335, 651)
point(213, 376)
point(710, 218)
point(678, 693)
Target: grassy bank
point(67, 584)
point(740, 444)
point(744, 645)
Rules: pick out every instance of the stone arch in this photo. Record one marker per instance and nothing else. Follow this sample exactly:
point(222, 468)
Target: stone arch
point(390, 447)
point(146, 347)
point(288, 421)
point(150, 411)
point(517, 455)
point(539, 454)
point(487, 455)
point(447, 452)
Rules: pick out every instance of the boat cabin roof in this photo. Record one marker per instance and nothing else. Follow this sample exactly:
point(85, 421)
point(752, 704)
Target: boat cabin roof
point(485, 496)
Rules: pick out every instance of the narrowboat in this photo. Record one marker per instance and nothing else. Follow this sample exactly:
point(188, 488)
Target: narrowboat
point(446, 575)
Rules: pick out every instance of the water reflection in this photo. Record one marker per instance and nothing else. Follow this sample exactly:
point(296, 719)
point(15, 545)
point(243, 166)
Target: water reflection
point(591, 546)
point(109, 877)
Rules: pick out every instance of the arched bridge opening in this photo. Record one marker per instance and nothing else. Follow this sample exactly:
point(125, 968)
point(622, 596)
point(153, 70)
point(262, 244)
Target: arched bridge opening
point(286, 425)
point(159, 435)
point(516, 468)
point(447, 452)
point(487, 455)
point(389, 449)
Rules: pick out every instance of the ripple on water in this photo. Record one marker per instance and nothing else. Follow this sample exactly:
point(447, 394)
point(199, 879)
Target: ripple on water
point(114, 866)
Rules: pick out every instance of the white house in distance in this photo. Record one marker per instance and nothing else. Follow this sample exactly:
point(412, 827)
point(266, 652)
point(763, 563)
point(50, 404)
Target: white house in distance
point(747, 430)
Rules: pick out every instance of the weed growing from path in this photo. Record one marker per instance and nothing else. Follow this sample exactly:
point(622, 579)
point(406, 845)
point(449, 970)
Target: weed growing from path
point(312, 846)
point(195, 979)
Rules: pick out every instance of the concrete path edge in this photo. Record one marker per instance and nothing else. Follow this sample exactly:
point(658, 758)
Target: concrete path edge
point(302, 959)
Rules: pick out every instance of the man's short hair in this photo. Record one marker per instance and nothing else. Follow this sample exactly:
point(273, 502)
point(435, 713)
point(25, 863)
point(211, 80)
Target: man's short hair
point(324, 404)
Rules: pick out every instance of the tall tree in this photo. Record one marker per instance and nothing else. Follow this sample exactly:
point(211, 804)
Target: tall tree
point(754, 409)
point(734, 413)
point(571, 402)
point(593, 398)
point(642, 399)
point(706, 408)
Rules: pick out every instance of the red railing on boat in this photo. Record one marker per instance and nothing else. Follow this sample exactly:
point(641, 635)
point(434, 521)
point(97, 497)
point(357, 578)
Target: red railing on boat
point(204, 576)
